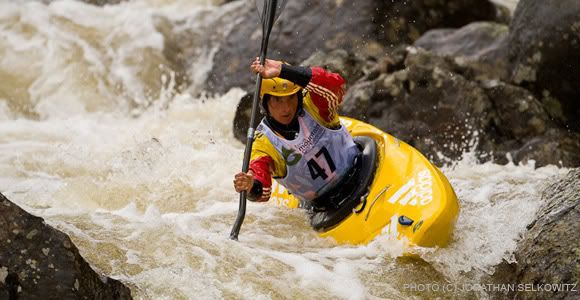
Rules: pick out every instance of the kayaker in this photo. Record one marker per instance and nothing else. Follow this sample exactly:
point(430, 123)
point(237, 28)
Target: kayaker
point(301, 141)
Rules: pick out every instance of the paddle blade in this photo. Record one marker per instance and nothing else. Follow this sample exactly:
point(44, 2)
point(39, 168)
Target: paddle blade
point(262, 5)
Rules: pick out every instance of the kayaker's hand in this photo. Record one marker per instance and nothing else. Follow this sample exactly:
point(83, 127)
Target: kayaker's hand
point(270, 69)
point(243, 181)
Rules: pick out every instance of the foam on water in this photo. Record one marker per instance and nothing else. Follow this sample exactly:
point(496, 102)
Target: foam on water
point(497, 203)
point(69, 57)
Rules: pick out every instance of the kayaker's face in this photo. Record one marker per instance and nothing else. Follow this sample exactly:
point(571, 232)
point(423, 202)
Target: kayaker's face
point(283, 108)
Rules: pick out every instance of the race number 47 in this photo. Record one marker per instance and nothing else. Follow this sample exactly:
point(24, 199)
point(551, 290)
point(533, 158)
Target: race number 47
point(316, 170)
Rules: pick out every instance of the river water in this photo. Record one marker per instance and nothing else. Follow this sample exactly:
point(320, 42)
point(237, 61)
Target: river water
point(93, 139)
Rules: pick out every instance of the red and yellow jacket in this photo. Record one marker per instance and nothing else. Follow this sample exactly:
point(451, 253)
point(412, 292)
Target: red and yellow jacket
point(322, 99)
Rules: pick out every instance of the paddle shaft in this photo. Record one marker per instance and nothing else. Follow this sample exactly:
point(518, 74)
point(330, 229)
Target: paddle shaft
point(270, 13)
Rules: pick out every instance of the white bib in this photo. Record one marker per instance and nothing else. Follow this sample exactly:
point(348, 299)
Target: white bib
point(316, 160)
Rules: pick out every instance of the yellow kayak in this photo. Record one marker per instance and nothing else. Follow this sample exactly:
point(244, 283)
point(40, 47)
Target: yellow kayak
point(399, 194)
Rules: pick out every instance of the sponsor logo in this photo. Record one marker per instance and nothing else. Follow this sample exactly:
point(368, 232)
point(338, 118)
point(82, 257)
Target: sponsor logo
point(278, 191)
point(290, 157)
point(311, 140)
point(418, 191)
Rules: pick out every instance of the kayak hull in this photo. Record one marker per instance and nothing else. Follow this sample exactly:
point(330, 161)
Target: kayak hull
point(409, 197)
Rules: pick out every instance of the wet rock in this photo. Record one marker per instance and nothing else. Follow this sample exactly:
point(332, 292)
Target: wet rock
point(480, 47)
point(544, 48)
point(362, 28)
point(475, 40)
point(38, 261)
point(525, 130)
point(519, 114)
point(557, 146)
point(427, 104)
point(303, 28)
point(549, 252)
point(348, 65)
point(242, 117)
point(406, 21)
point(359, 98)
point(444, 107)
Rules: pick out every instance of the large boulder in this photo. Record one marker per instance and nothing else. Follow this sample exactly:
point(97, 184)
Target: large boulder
point(406, 21)
point(427, 104)
point(243, 116)
point(557, 146)
point(523, 125)
point(549, 252)
point(40, 262)
point(480, 46)
point(525, 130)
point(303, 28)
point(519, 114)
point(544, 48)
point(445, 105)
point(359, 27)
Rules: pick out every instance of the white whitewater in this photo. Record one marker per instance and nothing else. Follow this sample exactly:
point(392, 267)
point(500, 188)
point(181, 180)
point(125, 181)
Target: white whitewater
point(93, 140)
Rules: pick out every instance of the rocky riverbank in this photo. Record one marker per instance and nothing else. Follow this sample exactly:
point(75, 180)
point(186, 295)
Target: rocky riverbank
point(549, 252)
point(38, 261)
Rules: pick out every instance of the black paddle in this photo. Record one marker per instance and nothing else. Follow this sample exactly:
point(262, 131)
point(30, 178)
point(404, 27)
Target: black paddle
point(269, 12)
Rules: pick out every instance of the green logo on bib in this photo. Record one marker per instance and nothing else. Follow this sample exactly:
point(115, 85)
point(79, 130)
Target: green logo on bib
point(290, 157)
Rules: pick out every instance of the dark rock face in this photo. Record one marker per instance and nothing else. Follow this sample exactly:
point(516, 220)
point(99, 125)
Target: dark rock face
point(348, 65)
point(549, 252)
point(303, 28)
point(242, 118)
point(557, 146)
point(526, 130)
point(474, 40)
point(544, 50)
point(405, 21)
point(40, 262)
point(519, 114)
point(428, 104)
point(359, 27)
point(482, 45)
